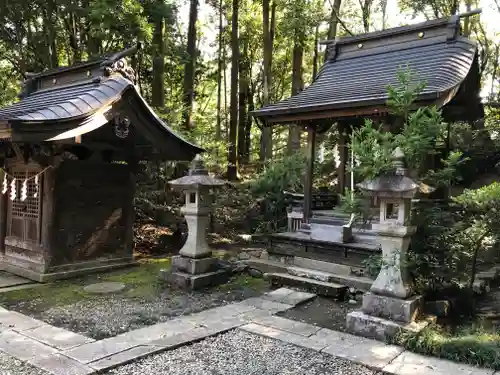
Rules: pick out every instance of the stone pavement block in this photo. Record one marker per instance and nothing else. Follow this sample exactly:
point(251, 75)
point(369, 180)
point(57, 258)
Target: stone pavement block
point(287, 325)
point(296, 298)
point(305, 342)
point(219, 313)
point(58, 364)
point(94, 351)
point(125, 357)
point(371, 353)
point(250, 316)
point(262, 304)
point(225, 324)
point(278, 294)
point(172, 342)
point(409, 363)
point(22, 347)
point(150, 333)
point(57, 337)
point(18, 322)
point(332, 338)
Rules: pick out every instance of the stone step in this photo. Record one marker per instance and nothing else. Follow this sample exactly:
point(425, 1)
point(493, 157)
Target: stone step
point(266, 266)
point(361, 283)
point(322, 288)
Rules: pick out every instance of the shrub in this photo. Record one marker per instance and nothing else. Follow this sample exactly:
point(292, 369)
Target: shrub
point(475, 345)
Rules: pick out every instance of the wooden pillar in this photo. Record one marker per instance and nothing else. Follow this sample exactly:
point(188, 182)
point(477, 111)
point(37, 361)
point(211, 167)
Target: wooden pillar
point(311, 155)
point(3, 222)
point(343, 156)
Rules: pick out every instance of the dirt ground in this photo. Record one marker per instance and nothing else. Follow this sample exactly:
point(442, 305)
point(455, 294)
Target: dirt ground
point(322, 312)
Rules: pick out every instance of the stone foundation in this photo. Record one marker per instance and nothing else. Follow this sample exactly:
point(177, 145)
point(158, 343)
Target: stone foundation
point(382, 317)
point(372, 327)
point(396, 309)
point(190, 273)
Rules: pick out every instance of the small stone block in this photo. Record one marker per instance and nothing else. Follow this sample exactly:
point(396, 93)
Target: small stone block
point(373, 327)
point(192, 282)
point(19, 322)
point(262, 304)
point(22, 347)
point(125, 357)
point(400, 310)
point(57, 337)
point(287, 337)
point(409, 363)
point(193, 266)
point(58, 364)
point(287, 325)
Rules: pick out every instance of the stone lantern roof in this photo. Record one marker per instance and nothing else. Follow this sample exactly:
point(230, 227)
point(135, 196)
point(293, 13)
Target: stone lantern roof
point(198, 177)
point(396, 184)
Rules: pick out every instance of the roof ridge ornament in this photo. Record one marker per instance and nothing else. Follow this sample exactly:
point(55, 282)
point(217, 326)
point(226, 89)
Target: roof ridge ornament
point(121, 66)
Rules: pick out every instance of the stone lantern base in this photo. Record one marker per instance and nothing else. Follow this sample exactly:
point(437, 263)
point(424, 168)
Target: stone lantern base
point(191, 273)
point(382, 317)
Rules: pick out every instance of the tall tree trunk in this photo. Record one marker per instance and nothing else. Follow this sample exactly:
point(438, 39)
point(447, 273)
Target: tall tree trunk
point(383, 6)
point(334, 20)
point(366, 10)
point(266, 141)
point(48, 15)
point(468, 6)
point(242, 102)
point(190, 66)
point(315, 58)
point(248, 127)
point(219, 77)
point(157, 87)
point(297, 85)
point(494, 70)
point(233, 122)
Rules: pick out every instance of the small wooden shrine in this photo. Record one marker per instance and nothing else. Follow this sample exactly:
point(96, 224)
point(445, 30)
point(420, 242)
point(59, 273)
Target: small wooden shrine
point(350, 87)
point(69, 150)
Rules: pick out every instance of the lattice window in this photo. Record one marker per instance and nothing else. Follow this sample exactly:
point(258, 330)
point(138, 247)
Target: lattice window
point(23, 218)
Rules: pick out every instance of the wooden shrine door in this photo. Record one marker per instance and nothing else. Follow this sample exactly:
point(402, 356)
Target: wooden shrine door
point(24, 216)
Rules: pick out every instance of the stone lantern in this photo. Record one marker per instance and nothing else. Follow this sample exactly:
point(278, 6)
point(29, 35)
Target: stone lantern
point(390, 305)
point(195, 267)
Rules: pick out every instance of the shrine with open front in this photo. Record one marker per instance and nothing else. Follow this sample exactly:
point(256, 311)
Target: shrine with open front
point(352, 86)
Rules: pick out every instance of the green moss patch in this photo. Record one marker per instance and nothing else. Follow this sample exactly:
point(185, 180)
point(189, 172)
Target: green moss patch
point(141, 281)
point(475, 344)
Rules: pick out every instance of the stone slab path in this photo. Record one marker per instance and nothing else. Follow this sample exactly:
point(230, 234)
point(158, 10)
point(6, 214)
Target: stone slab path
point(9, 280)
point(61, 352)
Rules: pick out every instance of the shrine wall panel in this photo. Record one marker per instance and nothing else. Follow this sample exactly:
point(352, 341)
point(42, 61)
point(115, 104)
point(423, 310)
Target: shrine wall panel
point(93, 213)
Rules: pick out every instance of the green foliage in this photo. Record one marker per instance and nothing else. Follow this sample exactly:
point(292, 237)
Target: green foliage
point(475, 345)
point(373, 149)
point(403, 95)
point(268, 188)
point(373, 265)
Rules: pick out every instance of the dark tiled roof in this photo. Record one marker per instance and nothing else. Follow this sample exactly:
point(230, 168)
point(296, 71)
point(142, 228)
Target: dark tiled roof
point(61, 103)
point(360, 68)
point(83, 99)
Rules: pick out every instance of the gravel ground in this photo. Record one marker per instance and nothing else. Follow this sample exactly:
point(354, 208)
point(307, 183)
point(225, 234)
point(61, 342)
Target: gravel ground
point(12, 366)
point(241, 353)
point(109, 316)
